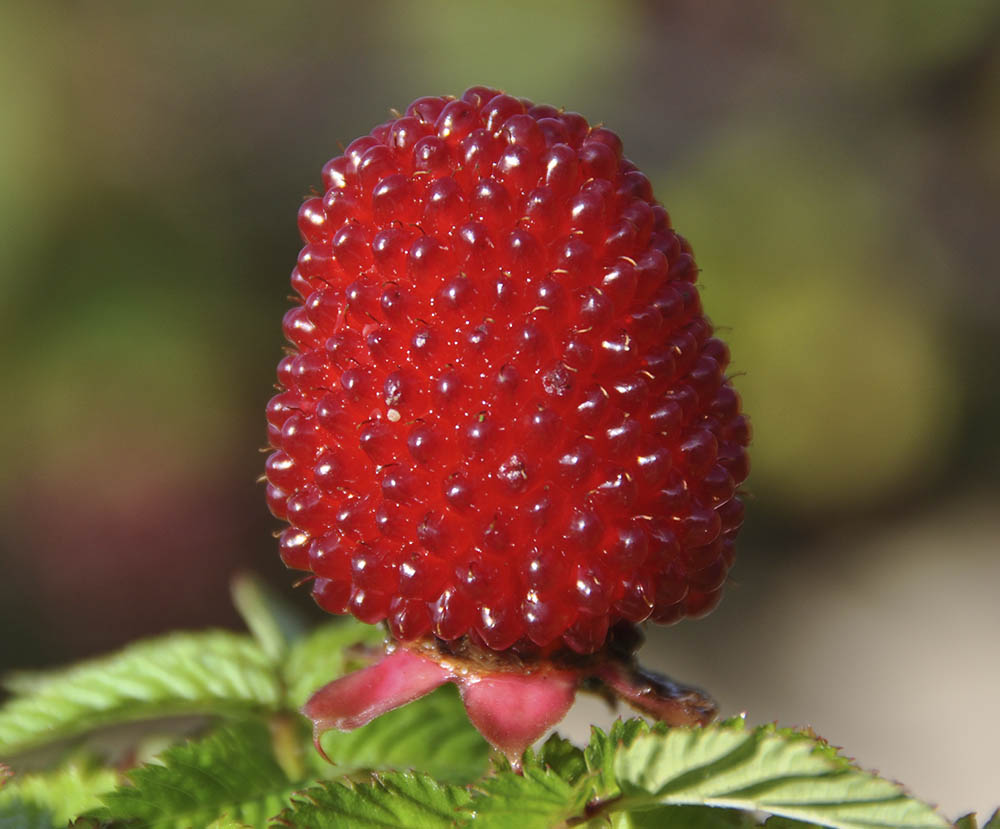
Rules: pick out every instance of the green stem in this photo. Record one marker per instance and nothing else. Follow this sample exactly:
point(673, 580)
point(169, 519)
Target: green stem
point(286, 741)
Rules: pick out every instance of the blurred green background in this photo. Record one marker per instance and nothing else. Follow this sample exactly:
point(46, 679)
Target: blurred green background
point(836, 166)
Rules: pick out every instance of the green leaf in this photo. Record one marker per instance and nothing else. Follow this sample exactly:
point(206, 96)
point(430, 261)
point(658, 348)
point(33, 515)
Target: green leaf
point(993, 822)
point(331, 650)
point(226, 822)
point(273, 622)
point(230, 774)
point(24, 682)
point(54, 798)
point(432, 734)
point(564, 758)
point(600, 751)
point(777, 771)
point(687, 817)
point(391, 800)
point(21, 815)
point(211, 672)
point(537, 799)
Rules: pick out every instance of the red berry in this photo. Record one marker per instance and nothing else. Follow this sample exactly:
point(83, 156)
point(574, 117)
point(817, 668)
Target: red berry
point(506, 417)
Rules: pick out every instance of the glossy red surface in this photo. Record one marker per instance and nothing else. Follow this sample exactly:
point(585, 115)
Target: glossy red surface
point(506, 415)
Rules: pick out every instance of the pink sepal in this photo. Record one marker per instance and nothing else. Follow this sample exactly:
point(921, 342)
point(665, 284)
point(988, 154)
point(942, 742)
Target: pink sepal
point(356, 699)
point(657, 696)
point(512, 711)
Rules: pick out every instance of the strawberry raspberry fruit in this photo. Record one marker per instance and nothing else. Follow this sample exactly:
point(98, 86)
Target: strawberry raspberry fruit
point(504, 426)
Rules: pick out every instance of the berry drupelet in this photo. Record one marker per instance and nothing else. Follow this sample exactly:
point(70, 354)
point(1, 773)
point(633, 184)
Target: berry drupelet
point(505, 427)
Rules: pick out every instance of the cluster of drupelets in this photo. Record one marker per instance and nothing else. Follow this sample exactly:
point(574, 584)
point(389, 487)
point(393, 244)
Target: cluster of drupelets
point(505, 415)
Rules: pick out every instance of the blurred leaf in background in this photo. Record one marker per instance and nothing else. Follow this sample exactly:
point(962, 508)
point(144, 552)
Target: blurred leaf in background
point(888, 43)
point(561, 51)
point(849, 368)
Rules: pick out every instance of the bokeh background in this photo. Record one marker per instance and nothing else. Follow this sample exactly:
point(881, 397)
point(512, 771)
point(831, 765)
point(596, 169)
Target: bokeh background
point(835, 164)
